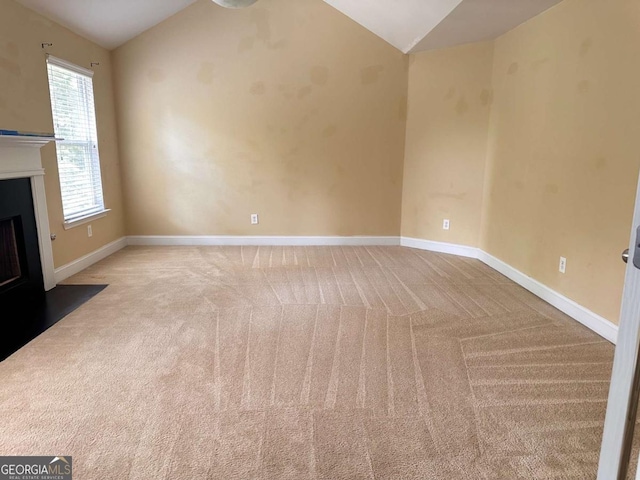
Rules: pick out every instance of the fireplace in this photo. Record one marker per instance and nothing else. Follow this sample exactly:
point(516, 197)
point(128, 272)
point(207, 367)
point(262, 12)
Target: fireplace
point(26, 255)
point(21, 279)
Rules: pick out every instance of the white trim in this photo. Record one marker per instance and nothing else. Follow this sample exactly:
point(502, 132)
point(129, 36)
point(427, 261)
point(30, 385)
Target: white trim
point(59, 62)
point(595, 322)
point(223, 240)
point(19, 159)
point(70, 269)
point(25, 141)
point(22, 174)
point(68, 225)
point(591, 320)
point(41, 213)
point(440, 247)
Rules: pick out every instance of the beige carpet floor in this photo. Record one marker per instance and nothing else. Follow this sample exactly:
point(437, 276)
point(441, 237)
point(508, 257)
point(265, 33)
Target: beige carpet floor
point(308, 362)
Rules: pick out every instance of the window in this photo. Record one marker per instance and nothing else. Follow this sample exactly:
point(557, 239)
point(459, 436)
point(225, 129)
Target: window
point(74, 120)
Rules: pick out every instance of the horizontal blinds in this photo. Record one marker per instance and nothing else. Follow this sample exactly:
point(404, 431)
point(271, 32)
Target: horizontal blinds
point(74, 120)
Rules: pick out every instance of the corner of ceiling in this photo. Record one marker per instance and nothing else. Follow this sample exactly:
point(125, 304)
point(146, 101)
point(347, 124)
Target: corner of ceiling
point(404, 26)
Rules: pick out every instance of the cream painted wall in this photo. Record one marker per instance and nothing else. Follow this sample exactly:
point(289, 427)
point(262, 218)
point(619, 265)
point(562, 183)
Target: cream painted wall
point(285, 109)
point(449, 103)
point(565, 148)
point(25, 105)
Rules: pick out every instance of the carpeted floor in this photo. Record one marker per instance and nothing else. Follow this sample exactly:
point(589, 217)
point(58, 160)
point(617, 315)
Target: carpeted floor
point(308, 362)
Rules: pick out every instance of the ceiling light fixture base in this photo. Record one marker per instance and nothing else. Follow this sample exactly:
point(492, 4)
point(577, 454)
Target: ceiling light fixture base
point(235, 3)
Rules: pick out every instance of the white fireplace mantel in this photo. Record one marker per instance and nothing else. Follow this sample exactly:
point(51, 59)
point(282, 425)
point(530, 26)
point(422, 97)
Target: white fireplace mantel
point(20, 158)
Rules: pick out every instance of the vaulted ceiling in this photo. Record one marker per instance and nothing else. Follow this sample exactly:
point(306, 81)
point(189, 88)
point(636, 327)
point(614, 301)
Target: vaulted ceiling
point(408, 25)
point(109, 23)
point(402, 23)
point(477, 20)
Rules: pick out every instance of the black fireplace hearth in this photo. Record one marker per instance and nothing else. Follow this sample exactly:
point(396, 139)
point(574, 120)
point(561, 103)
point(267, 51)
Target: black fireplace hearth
point(30, 321)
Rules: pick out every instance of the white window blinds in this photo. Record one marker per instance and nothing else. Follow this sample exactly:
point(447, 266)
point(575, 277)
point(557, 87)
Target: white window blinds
point(74, 121)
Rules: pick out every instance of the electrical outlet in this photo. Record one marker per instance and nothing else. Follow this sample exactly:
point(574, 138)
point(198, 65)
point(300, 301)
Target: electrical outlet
point(89, 231)
point(254, 219)
point(563, 265)
point(446, 225)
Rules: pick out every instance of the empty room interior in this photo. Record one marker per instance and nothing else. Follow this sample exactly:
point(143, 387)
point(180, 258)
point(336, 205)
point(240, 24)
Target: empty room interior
point(320, 239)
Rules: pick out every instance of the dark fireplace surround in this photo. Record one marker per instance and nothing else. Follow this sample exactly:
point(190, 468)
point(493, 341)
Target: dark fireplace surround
point(21, 278)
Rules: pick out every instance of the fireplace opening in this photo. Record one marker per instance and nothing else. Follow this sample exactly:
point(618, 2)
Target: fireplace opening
point(10, 270)
point(21, 279)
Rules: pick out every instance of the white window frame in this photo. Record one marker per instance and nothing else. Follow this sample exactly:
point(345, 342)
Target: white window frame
point(100, 211)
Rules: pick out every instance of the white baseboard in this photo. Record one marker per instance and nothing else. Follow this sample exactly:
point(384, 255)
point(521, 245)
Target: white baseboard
point(70, 269)
point(595, 322)
point(591, 320)
point(440, 247)
point(224, 240)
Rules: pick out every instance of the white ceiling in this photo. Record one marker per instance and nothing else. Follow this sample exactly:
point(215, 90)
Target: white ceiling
point(409, 25)
point(418, 25)
point(402, 23)
point(477, 20)
point(109, 23)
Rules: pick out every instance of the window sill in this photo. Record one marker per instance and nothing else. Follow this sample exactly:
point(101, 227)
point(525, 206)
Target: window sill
point(76, 222)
